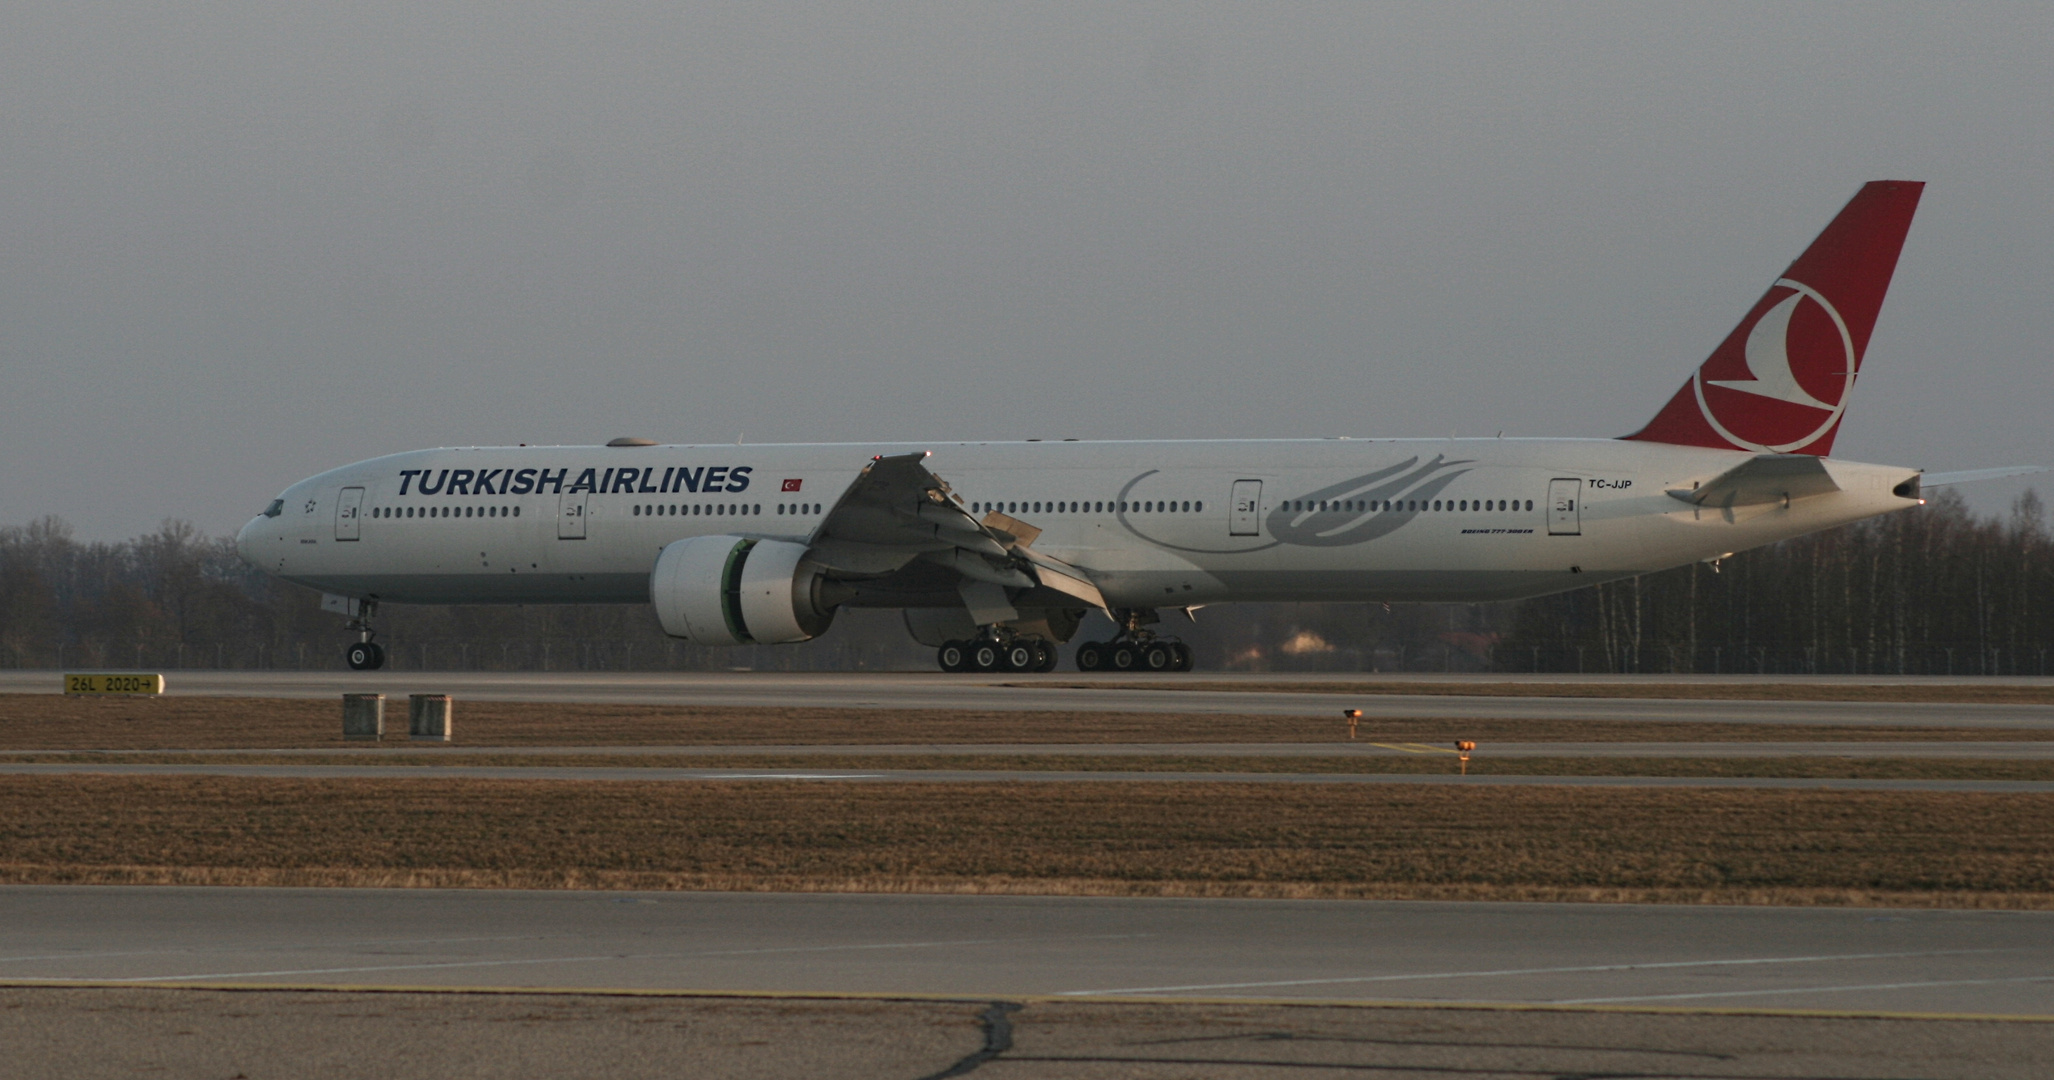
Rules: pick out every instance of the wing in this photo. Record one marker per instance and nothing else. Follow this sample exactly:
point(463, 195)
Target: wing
point(900, 526)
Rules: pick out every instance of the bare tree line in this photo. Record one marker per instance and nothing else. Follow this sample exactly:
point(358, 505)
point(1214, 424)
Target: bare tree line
point(1937, 590)
point(1931, 591)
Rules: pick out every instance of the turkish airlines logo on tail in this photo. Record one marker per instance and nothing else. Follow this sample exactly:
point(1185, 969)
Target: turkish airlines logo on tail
point(1782, 379)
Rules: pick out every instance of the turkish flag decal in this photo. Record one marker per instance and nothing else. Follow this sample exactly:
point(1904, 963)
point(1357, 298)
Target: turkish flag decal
point(791, 485)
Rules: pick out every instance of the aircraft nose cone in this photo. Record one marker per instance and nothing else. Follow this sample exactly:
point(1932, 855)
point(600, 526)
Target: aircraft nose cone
point(244, 541)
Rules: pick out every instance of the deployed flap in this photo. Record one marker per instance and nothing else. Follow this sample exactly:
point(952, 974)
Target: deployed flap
point(1767, 478)
point(1064, 578)
point(1010, 530)
point(987, 603)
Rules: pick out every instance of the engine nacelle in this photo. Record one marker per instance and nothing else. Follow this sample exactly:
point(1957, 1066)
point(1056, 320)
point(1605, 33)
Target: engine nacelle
point(729, 590)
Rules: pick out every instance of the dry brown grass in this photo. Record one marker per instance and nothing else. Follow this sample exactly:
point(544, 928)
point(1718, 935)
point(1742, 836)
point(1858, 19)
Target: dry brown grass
point(55, 722)
point(1967, 850)
point(1735, 689)
point(1799, 768)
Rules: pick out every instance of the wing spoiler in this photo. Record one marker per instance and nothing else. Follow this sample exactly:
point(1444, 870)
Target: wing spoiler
point(898, 510)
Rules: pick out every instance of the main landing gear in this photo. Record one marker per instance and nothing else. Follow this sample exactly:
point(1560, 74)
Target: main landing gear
point(994, 654)
point(1135, 648)
point(366, 654)
point(1153, 654)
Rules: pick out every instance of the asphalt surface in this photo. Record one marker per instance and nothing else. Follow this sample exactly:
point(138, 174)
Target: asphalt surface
point(987, 776)
point(69, 1033)
point(988, 948)
point(62, 1034)
point(1059, 693)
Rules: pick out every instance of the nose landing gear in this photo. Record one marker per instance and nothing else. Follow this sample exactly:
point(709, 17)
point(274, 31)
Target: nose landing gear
point(366, 654)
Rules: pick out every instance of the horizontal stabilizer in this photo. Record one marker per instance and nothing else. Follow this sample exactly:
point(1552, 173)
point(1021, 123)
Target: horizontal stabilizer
point(1942, 479)
point(1767, 478)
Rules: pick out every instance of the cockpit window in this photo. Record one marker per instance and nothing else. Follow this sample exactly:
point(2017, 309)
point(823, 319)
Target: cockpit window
point(276, 508)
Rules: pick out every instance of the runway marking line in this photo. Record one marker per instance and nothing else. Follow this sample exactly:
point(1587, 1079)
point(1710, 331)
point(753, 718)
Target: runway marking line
point(786, 776)
point(1031, 999)
point(1814, 990)
point(205, 979)
point(1654, 966)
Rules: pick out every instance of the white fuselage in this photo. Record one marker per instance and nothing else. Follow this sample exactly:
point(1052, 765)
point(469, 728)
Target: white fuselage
point(1154, 524)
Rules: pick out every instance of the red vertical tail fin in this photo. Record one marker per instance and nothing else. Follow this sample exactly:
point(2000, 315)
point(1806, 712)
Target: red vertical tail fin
point(1780, 381)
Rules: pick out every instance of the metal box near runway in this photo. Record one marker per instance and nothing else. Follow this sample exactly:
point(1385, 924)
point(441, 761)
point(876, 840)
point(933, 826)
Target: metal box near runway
point(428, 718)
point(363, 716)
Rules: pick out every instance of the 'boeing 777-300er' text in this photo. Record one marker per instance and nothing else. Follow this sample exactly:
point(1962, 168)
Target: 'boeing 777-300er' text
point(995, 551)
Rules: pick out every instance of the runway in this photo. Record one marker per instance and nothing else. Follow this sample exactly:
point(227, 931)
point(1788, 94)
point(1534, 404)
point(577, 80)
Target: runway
point(1842, 960)
point(988, 776)
point(1059, 693)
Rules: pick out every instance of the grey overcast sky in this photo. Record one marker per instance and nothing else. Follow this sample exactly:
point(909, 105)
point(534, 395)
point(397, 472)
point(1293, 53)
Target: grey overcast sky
point(242, 242)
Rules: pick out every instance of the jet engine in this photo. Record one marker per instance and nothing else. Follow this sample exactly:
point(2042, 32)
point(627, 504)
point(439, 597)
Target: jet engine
point(730, 590)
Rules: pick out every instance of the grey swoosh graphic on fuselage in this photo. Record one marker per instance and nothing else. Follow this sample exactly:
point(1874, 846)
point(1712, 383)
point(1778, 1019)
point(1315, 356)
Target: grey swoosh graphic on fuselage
point(1340, 528)
point(1332, 528)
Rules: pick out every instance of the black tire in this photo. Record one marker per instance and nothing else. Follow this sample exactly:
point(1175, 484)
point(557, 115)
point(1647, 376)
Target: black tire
point(985, 656)
point(1091, 656)
point(1184, 658)
point(1020, 656)
point(1050, 656)
point(1124, 657)
point(1158, 656)
point(377, 656)
point(359, 656)
point(953, 656)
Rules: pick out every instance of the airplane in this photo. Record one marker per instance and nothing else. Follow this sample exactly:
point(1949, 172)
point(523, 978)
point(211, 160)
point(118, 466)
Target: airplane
point(995, 551)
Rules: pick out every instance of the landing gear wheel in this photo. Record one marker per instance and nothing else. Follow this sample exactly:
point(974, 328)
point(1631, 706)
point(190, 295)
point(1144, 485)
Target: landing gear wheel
point(1050, 655)
point(1184, 661)
point(363, 656)
point(985, 656)
point(377, 656)
point(1124, 657)
point(1091, 656)
point(953, 656)
point(1158, 656)
point(1020, 656)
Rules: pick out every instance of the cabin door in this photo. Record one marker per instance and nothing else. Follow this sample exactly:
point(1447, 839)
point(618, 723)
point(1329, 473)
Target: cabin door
point(1565, 517)
point(1244, 510)
point(570, 516)
point(348, 511)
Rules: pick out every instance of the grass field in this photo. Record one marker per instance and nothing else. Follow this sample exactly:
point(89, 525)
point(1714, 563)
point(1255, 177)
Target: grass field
point(55, 722)
point(1804, 768)
point(1737, 689)
point(1784, 847)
